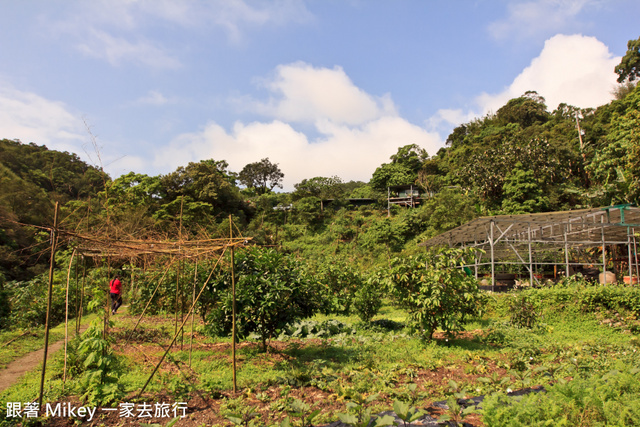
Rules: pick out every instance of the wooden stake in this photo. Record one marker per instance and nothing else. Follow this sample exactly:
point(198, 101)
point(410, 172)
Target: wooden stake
point(193, 301)
point(233, 320)
point(54, 242)
point(66, 318)
point(233, 308)
point(76, 298)
point(84, 282)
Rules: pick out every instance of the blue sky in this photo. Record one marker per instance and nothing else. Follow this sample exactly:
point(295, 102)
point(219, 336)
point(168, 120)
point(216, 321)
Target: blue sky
point(321, 87)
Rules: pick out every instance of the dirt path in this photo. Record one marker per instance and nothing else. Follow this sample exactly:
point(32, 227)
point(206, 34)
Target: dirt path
point(19, 367)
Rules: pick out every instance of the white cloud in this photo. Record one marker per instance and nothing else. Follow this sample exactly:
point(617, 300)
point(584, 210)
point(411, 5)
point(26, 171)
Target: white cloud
point(32, 118)
point(307, 94)
point(539, 17)
point(576, 70)
point(571, 69)
point(352, 153)
point(153, 98)
point(119, 50)
point(115, 30)
point(356, 131)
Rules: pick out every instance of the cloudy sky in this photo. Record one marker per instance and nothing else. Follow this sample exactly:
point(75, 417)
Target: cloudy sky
point(321, 87)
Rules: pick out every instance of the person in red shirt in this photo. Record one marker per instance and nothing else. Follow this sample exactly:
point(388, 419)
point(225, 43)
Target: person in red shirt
point(115, 288)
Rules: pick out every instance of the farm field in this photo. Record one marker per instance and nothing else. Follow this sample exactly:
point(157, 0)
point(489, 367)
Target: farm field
point(330, 363)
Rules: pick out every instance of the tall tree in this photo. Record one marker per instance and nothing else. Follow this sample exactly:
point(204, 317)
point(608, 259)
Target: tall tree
point(629, 67)
point(402, 170)
point(320, 186)
point(615, 167)
point(262, 176)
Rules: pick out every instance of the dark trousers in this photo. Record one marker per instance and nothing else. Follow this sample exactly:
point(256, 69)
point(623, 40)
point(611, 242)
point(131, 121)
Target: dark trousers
point(116, 301)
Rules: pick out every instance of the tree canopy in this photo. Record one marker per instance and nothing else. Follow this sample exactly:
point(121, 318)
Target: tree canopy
point(629, 67)
point(262, 176)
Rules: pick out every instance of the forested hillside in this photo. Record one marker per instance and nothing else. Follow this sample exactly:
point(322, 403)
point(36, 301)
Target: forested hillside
point(522, 158)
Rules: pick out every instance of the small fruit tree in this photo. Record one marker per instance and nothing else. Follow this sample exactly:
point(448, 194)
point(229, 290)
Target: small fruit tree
point(435, 290)
point(272, 291)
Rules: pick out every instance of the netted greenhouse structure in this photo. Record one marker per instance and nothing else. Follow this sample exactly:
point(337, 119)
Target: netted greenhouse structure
point(550, 245)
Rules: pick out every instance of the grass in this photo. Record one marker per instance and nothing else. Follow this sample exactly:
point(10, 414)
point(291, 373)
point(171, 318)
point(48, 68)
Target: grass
point(566, 344)
point(27, 340)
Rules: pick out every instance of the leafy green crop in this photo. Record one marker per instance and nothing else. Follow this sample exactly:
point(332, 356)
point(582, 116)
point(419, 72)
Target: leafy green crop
point(435, 290)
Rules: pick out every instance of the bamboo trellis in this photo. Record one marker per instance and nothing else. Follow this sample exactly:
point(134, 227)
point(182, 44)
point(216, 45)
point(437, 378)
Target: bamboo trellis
point(101, 246)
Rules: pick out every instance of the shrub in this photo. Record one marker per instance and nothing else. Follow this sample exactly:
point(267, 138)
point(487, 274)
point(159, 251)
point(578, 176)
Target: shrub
point(524, 310)
point(272, 291)
point(435, 290)
point(368, 298)
point(340, 282)
point(611, 399)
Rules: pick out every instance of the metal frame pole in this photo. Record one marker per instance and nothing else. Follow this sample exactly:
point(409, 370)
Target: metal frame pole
point(493, 263)
point(604, 256)
point(530, 256)
point(629, 252)
point(635, 252)
point(566, 254)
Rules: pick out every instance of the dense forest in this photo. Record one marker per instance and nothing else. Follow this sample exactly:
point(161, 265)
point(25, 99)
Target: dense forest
point(522, 158)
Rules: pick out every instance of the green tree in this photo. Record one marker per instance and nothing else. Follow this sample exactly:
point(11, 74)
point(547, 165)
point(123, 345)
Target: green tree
point(523, 193)
point(199, 191)
point(321, 187)
point(629, 67)
point(273, 290)
point(438, 211)
point(262, 176)
point(390, 174)
point(525, 110)
point(402, 170)
point(435, 290)
point(615, 167)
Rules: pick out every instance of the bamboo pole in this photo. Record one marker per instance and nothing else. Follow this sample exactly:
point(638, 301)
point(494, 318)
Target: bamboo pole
point(54, 241)
point(76, 298)
point(176, 306)
point(182, 309)
point(193, 300)
point(66, 318)
point(233, 320)
point(107, 306)
point(84, 282)
point(233, 308)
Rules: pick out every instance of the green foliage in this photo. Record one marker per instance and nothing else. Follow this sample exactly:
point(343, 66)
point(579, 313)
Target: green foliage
point(524, 311)
point(435, 290)
point(406, 412)
point(629, 67)
point(316, 329)
point(608, 400)
point(340, 282)
point(616, 168)
point(303, 411)
point(438, 210)
point(368, 297)
point(359, 413)
point(390, 174)
point(32, 179)
point(100, 369)
point(522, 192)
point(273, 290)
point(262, 176)
point(321, 187)
point(526, 110)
